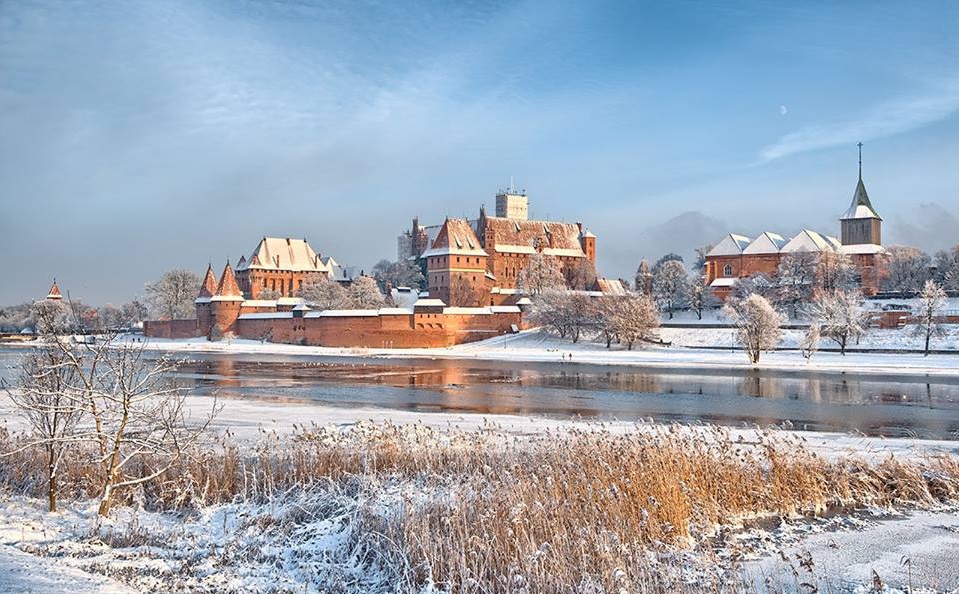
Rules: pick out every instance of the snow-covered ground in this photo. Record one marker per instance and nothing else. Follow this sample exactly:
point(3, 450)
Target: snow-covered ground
point(539, 346)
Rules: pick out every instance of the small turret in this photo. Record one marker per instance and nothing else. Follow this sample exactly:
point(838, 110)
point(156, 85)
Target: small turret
point(225, 303)
point(54, 294)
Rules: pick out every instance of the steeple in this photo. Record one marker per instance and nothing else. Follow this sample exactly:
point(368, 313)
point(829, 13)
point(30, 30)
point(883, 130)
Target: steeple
point(54, 294)
point(208, 288)
point(228, 289)
point(861, 224)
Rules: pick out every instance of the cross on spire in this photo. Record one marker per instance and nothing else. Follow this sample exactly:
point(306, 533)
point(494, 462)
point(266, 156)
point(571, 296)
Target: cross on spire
point(860, 160)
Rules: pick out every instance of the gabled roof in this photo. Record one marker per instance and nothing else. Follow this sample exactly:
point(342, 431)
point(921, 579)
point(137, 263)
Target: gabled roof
point(860, 208)
point(241, 264)
point(767, 243)
point(208, 288)
point(509, 234)
point(286, 254)
point(54, 293)
point(227, 290)
point(809, 241)
point(456, 238)
point(731, 245)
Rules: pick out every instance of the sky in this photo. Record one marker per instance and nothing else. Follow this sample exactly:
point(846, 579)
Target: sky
point(139, 136)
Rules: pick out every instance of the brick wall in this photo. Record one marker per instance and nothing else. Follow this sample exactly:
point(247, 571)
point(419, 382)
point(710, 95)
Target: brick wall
point(170, 328)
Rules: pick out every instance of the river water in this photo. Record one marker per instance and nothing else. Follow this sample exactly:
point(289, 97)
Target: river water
point(889, 406)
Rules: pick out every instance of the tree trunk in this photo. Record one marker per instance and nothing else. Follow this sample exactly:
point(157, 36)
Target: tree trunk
point(928, 333)
point(52, 478)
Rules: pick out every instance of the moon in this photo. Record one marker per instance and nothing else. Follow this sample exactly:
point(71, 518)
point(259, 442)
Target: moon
point(783, 110)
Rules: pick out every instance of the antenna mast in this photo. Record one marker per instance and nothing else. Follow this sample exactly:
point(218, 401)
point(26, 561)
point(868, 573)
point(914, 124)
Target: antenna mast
point(860, 160)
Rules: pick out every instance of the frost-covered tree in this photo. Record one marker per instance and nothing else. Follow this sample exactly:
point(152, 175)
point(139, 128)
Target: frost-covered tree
point(268, 295)
point(841, 317)
point(836, 272)
point(402, 273)
point(582, 275)
point(50, 317)
point(758, 324)
point(932, 302)
point(172, 297)
point(133, 312)
point(700, 265)
point(44, 393)
point(810, 342)
point(636, 318)
point(323, 293)
point(907, 269)
point(541, 272)
point(365, 294)
point(670, 286)
point(947, 268)
point(755, 284)
point(549, 309)
point(701, 295)
point(795, 280)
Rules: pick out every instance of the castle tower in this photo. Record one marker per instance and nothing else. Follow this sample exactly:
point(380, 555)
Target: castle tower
point(510, 205)
point(204, 311)
point(861, 224)
point(225, 305)
point(456, 266)
point(54, 294)
point(588, 242)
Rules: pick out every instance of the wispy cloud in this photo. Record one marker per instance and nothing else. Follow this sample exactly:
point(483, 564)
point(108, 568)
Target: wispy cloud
point(886, 119)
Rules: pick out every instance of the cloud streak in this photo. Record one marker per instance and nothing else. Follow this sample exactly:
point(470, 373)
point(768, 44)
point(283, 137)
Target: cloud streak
point(884, 120)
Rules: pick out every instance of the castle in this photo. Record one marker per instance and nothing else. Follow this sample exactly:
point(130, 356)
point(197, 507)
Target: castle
point(474, 262)
point(736, 256)
point(281, 266)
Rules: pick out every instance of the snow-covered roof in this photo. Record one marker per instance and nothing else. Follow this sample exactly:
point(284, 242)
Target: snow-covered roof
point(201, 300)
point(723, 282)
point(808, 241)
point(395, 311)
point(288, 254)
point(259, 303)
point(863, 248)
point(505, 291)
point(861, 207)
point(429, 303)
point(471, 311)
point(504, 309)
point(290, 301)
point(767, 243)
point(302, 307)
point(267, 315)
point(455, 237)
point(508, 248)
point(588, 233)
point(731, 245)
point(346, 313)
point(525, 301)
point(564, 252)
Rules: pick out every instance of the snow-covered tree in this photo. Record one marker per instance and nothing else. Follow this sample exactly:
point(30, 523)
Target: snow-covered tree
point(907, 269)
point(700, 294)
point(795, 280)
point(268, 295)
point(402, 273)
point(841, 317)
point(836, 272)
point(323, 293)
point(636, 318)
point(172, 296)
point(549, 309)
point(582, 275)
point(44, 394)
point(133, 312)
point(541, 272)
point(758, 324)
point(699, 266)
point(932, 302)
point(947, 268)
point(365, 294)
point(810, 342)
point(50, 317)
point(755, 284)
point(670, 286)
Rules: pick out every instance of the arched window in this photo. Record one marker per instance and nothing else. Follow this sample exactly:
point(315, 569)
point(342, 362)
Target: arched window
point(728, 270)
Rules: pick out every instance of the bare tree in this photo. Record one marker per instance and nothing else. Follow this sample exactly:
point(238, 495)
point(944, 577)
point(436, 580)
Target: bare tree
point(172, 296)
point(947, 268)
point(636, 318)
point(836, 272)
point(550, 310)
point(541, 272)
point(755, 284)
point(365, 294)
point(932, 301)
point(402, 273)
point(907, 269)
point(44, 395)
point(324, 293)
point(582, 275)
point(757, 324)
point(842, 317)
point(670, 287)
point(795, 280)
point(810, 342)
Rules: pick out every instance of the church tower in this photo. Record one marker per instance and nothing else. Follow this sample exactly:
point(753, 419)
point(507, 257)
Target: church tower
point(861, 224)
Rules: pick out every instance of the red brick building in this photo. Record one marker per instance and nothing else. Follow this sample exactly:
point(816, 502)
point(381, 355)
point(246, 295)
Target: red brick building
point(736, 256)
point(282, 266)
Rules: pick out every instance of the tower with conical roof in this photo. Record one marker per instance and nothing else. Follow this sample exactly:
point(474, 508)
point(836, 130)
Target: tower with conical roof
point(54, 294)
point(203, 302)
point(225, 303)
point(861, 224)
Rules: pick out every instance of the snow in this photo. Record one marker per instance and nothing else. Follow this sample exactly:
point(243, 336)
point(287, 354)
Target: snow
point(23, 573)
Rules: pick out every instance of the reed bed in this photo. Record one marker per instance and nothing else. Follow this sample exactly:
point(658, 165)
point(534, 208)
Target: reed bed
point(567, 511)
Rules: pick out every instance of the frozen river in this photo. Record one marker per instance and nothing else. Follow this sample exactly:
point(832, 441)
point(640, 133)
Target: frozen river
point(874, 405)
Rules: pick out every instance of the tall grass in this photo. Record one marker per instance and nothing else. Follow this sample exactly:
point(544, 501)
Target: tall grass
point(569, 511)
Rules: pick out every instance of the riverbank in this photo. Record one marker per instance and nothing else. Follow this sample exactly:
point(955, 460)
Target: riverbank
point(689, 349)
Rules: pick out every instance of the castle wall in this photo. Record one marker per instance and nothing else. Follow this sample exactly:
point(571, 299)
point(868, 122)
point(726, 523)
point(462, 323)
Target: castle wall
point(171, 329)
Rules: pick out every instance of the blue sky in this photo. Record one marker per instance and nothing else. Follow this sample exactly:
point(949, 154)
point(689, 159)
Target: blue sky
point(140, 136)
